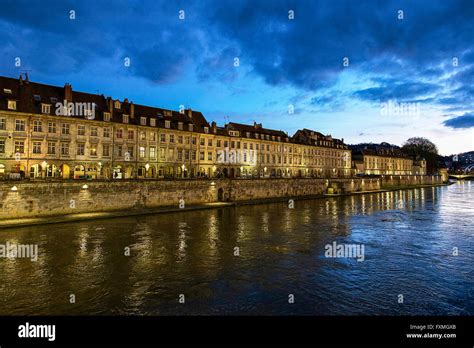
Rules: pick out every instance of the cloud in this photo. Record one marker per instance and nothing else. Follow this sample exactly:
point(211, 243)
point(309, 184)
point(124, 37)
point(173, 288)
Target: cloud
point(463, 121)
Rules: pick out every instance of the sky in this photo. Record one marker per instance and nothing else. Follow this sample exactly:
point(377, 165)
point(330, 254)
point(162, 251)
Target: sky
point(364, 71)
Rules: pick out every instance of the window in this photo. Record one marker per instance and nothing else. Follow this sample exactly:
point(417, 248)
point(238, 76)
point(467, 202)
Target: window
point(180, 125)
point(65, 149)
point(45, 108)
point(51, 148)
point(20, 125)
point(80, 149)
point(7, 91)
point(119, 150)
point(201, 156)
point(2, 146)
point(65, 129)
point(162, 138)
point(93, 151)
point(194, 140)
point(152, 152)
point(180, 155)
point(94, 131)
point(167, 124)
point(106, 132)
point(19, 146)
point(125, 119)
point(131, 134)
point(153, 136)
point(143, 121)
point(37, 147)
point(142, 152)
point(131, 150)
point(37, 126)
point(142, 135)
point(37, 97)
point(209, 142)
point(81, 129)
point(51, 127)
point(119, 134)
point(117, 104)
point(106, 116)
point(162, 152)
point(209, 156)
point(106, 150)
point(206, 130)
point(171, 138)
point(152, 122)
point(3, 124)
point(218, 143)
point(190, 127)
point(12, 105)
point(202, 141)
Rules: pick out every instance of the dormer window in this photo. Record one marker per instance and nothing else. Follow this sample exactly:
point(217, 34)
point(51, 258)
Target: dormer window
point(12, 105)
point(190, 127)
point(143, 121)
point(180, 125)
point(247, 134)
point(106, 116)
point(125, 118)
point(167, 124)
point(7, 91)
point(167, 113)
point(54, 100)
point(117, 104)
point(233, 133)
point(152, 122)
point(45, 108)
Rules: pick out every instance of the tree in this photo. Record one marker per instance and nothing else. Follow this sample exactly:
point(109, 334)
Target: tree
point(420, 148)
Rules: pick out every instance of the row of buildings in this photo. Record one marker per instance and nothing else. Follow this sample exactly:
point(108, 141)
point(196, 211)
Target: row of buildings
point(55, 132)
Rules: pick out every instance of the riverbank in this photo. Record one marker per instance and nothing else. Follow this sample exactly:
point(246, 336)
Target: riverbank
point(76, 217)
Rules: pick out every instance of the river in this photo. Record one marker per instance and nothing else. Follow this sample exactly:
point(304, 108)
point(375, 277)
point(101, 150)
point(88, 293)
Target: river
point(257, 259)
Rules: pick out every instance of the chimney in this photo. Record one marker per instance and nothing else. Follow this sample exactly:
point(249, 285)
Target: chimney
point(132, 110)
point(21, 79)
point(26, 78)
point(213, 127)
point(342, 139)
point(190, 113)
point(68, 92)
point(110, 105)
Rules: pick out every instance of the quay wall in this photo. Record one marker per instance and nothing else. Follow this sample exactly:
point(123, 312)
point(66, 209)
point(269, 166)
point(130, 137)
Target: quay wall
point(24, 199)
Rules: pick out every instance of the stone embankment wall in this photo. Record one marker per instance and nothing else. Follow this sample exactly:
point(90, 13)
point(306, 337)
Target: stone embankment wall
point(35, 199)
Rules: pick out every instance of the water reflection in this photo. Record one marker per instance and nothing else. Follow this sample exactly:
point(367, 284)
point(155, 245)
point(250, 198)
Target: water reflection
point(409, 238)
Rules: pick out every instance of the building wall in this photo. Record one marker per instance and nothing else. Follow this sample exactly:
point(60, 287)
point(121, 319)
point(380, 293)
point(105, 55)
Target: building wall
point(30, 199)
point(99, 149)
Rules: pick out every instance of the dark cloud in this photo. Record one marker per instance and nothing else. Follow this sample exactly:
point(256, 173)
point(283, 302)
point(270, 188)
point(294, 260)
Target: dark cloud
point(406, 59)
point(400, 92)
point(463, 121)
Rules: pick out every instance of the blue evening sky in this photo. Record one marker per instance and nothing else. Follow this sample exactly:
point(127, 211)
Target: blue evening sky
point(365, 71)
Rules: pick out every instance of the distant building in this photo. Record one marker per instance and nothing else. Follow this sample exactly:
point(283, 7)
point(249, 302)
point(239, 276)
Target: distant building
point(383, 159)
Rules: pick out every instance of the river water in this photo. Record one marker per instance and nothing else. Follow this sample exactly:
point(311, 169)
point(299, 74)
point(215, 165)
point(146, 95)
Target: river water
point(263, 259)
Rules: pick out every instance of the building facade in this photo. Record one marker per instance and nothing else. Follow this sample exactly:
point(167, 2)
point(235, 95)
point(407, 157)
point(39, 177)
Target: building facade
point(384, 159)
point(55, 132)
